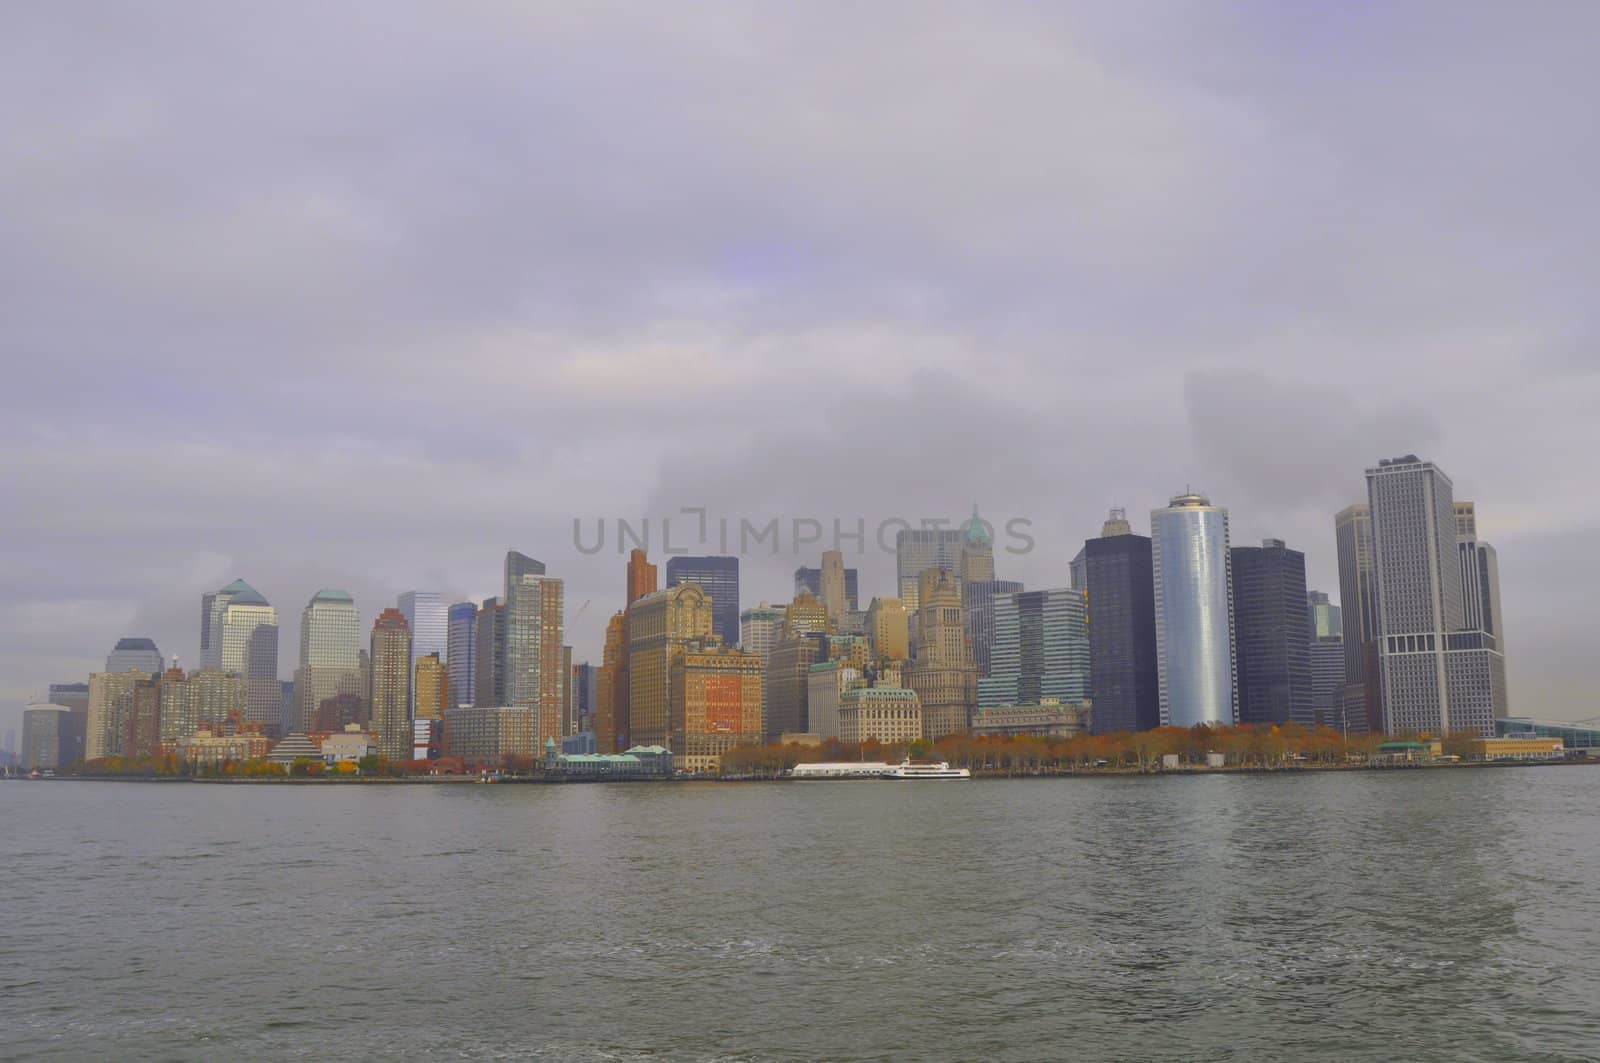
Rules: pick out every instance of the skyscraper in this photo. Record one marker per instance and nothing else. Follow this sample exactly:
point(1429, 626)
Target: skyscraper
point(809, 580)
point(977, 552)
point(429, 619)
point(206, 697)
point(1438, 677)
point(889, 628)
point(1361, 699)
point(919, 549)
point(48, 741)
point(1325, 618)
point(247, 637)
point(461, 643)
point(534, 630)
point(489, 656)
point(430, 687)
point(641, 576)
point(330, 654)
point(942, 671)
point(1194, 613)
point(131, 653)
point(760, 628)
point(391, 684)
point(786, 686)
point(1480, 578)
point(1125, 685)
point(611, 694)
point(1272, 634)
point(719, 578)
point(585, 696)
point(75, 696)
point(1040, 649)
point(833, 597)
point(979, 598)
point(660, 626)
point(111, 712)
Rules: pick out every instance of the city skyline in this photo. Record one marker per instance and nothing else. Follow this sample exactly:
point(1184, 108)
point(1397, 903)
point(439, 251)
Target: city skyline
point(240, 350)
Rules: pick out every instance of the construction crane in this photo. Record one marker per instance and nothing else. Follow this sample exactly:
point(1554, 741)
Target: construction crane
point(579, 614)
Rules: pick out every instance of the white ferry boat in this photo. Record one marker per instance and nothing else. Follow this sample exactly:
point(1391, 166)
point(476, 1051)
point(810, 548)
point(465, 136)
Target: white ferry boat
point(940, 770)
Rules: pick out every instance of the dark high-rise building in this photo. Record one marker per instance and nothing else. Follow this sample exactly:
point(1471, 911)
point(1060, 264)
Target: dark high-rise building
point(1124, 683)
point(489, 656)
point(74, 696)
point(1361, 707)
point(461, 653)
point(1273, 634)
point(585, 695)
point(810, 581)
point(719, 578)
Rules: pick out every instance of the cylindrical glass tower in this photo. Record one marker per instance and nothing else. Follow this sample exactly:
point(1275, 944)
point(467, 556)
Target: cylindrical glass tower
point(1194, 613)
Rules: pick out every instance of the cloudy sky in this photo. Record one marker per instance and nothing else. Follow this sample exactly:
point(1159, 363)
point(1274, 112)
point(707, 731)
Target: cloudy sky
point(362, 294)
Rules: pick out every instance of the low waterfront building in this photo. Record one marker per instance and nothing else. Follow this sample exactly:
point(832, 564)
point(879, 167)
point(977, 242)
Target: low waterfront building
point(1572, 735)
point(1051, 718)
point(638, 762)
point(206, 748)
point(294, 747)
point(491, 734)
point(1507, 747)
point(348, 746)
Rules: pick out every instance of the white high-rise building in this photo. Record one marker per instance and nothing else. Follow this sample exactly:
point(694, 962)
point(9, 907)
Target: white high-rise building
point(1439, 676)
point(1196, 659)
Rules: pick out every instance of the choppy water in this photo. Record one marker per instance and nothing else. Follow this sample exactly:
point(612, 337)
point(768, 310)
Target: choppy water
point(1407, 915)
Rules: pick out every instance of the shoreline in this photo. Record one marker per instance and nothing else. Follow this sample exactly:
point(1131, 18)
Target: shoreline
point(978, 774)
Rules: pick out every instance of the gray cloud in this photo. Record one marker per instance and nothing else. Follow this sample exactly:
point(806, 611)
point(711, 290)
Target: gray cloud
point(363, 295)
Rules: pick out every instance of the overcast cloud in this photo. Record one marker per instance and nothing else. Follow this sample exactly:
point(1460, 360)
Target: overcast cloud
point(361, 295)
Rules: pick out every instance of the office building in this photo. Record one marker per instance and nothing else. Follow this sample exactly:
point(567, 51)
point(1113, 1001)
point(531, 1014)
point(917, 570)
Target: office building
point(1041, 650)
point(919, 549)
point(49, 741)
point(534, 631)
point(889, 628)
point(786, 689)
point(1191, 567)
point(75, 696)
point(611, 691)
point(460, 652)
point(212, 608)
point(430, 685)
point(246, 638)
point(135, 653)
point(1361, 704)
point(1326, 619)
point(891, 715)
point(1124, 681)
point(715, 703)
point(1438, 676)
point(489, 655)
point(390, 696)
point(977, 551)
point(1480, 578)
point(428, 617)
point(719, 578)
point(805, 616)
point(585, 696)
point(826, 683)
point(979, 598)
point(660, 626)
point(760, 628)
point(1051, 719)
point(569, 718)
point(1272, 634)
point(641, 576)
point(809, 581)
point(942, 671)
point(330, 654)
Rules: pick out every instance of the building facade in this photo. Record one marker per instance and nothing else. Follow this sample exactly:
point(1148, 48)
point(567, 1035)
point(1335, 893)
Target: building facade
point(1041, 650)
point(489, 655)
point(533, 643)
point(135, 653)
point(888, 714)
point(719, 578)
point(715, 703)
point(942, 671)
point(430, 685)
point(1361, 705)
point(390, 696)
point(1191, 568)
point(330, 653)
point(111, 712)
point(1124, 681)
point(248, 637)
point(1272, 634)
point(889, 628)
point(979, 596)
point(660, 626)
point(48, 739)
point(460, 652)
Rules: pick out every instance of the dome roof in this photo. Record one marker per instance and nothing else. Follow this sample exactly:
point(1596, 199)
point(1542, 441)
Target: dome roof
point(137, 644)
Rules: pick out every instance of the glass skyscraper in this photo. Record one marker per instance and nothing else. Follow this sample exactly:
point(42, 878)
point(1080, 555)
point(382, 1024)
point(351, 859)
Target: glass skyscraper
point(461, 644)
point(979, 597)
point(1272, 634)
point(1040, 649)
point(1192, 572)
point(330, 654)
point(719, 578)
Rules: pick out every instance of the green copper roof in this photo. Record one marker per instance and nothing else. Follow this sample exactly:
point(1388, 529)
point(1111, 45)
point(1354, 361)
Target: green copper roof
point(243, 594)
point(977, 535)
point(330, 595)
